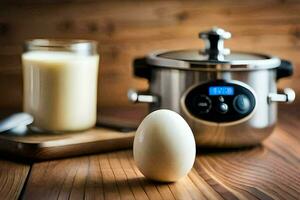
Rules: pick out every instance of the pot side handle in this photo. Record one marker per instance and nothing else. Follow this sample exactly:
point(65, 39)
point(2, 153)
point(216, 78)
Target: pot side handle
point(141, 69)
point(285, 69)
point(141, 97)
point(288, 95)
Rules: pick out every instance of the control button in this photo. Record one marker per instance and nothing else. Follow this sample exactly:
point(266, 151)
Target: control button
point(241, 104)
point(221, 98)
point(223, 108)
point(202, 104)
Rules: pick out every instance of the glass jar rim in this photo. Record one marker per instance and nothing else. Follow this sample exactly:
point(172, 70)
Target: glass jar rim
point(87, 47)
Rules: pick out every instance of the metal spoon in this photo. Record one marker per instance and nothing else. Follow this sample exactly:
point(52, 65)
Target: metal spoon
point(16, 123)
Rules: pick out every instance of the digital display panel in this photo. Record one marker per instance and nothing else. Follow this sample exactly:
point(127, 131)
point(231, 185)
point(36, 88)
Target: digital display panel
point(220, 90)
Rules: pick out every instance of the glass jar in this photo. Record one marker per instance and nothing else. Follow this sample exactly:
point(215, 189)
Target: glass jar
point(60, 84)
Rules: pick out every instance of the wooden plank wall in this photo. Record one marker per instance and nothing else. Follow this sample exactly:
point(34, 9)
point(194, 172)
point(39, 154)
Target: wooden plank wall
point(127, 29)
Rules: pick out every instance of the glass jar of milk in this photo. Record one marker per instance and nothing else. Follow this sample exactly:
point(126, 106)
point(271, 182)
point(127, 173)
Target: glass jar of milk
point(60, 84)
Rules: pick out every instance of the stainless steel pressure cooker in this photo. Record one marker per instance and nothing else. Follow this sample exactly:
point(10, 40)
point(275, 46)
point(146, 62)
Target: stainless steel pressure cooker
point(228, 98)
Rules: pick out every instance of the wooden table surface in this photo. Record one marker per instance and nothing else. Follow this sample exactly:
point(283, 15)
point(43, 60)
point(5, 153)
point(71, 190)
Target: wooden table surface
point(269, 171)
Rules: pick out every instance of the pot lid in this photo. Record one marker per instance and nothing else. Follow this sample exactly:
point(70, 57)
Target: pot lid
point(213, 56)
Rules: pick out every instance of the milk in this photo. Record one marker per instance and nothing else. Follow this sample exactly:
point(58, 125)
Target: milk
point(60, 89)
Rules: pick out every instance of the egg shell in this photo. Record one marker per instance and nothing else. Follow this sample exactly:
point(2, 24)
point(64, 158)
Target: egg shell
point(164, 147)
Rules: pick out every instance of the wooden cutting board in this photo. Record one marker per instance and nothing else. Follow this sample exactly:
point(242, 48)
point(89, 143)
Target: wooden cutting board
point(118, 133)
point(35, 146)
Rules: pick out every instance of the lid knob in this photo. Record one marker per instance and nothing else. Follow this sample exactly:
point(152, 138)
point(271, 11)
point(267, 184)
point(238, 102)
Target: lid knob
point(214, 43)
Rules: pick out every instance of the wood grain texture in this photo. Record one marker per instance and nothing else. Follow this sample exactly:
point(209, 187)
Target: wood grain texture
point(269, 171)
point(127, 29)
point(12, 179)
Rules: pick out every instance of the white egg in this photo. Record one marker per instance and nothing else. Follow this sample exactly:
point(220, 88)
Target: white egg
point(164, 147)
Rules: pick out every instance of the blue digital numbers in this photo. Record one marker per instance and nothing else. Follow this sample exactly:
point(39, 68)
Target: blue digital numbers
point(220, 90)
